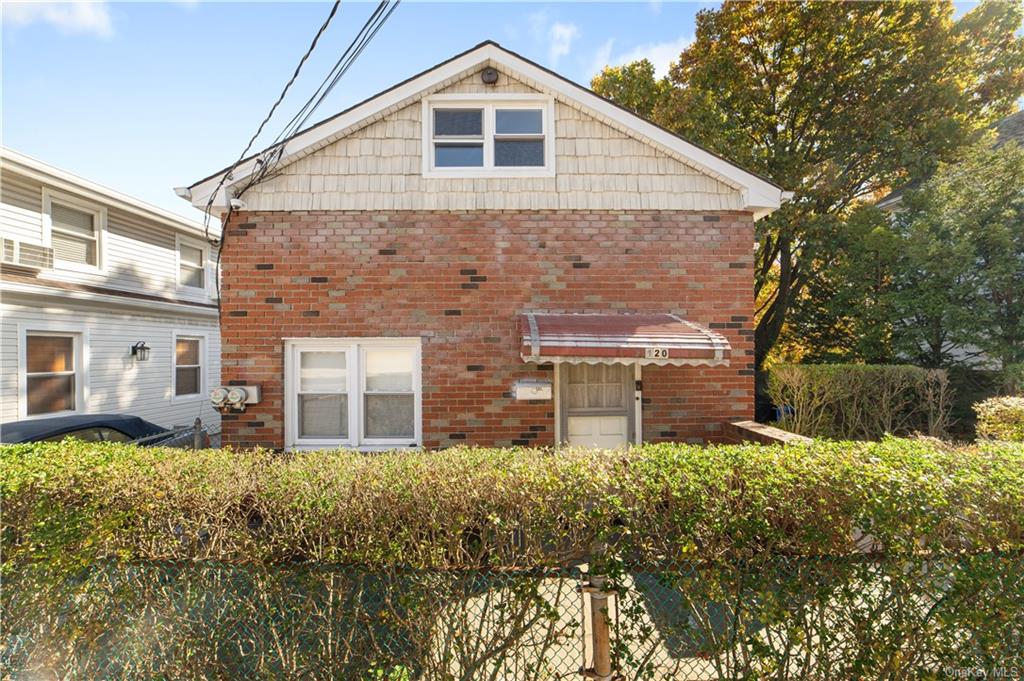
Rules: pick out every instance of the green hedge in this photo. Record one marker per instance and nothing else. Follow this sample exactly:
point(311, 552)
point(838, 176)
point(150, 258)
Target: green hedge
point(74, 503)
point(861, 401)
point(1001, 418)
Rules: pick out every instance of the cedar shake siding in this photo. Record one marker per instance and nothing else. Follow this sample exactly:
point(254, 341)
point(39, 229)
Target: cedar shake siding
point(459, 281)
point(599, 166)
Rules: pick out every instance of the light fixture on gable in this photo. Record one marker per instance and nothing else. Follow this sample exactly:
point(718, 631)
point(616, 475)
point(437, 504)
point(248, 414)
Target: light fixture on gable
point(489, 75)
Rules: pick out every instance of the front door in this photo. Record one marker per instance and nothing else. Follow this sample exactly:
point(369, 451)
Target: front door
point(596, 404)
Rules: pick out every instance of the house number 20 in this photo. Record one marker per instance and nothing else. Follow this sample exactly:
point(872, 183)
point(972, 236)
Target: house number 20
point(656, 353)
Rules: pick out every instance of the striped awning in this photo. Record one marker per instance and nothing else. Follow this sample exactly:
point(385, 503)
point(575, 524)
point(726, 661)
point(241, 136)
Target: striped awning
point(619, 338)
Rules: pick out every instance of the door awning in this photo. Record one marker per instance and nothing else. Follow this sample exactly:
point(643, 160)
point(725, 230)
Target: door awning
point(619, 338)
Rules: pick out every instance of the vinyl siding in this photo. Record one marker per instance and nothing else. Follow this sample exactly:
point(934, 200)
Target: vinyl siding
point(139, 256)
point(117, 383)
point(599, 166)
point(21, 207)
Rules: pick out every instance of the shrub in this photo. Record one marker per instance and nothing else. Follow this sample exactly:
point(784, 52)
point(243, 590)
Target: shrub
point(75, 503)
point(1013, 379)
point(1001, 418)
point(861, 402)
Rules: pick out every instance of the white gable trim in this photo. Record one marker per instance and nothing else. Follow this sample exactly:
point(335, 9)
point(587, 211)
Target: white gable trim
point(759, 195)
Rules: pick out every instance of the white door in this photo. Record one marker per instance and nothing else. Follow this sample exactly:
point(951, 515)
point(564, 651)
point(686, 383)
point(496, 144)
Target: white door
point(595, 403)
point(604, 432)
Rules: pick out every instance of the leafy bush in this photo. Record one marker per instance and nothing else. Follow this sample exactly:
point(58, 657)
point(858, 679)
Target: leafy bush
point(75, 503)
point(861, 401)
point(1013, 379)
point(1001, 418)
point(727, 562)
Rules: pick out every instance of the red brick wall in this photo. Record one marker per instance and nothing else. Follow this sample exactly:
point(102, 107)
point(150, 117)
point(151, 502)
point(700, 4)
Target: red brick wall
point(459, 281)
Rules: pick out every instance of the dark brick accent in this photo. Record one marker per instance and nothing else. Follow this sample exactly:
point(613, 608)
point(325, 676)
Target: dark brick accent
point(387, 251)
point(264, 266)
point(453, 313)
point(471, 360)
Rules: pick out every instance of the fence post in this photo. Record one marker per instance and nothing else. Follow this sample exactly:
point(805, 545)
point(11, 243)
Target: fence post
point(197, 434)
point(600, 638)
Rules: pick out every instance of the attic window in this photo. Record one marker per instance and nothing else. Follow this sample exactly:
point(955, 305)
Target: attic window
point(489, 138)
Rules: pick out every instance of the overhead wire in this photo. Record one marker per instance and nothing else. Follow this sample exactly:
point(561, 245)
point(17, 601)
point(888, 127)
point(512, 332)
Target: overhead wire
point(270, 114)
point(270, 157)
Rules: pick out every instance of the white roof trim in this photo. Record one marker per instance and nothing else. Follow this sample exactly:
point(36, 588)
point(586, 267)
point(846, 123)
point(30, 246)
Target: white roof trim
point(759, 195)
point(69, 182)
point(123, 302)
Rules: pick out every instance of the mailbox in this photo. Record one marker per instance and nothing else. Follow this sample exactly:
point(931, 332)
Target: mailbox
point(528, 389)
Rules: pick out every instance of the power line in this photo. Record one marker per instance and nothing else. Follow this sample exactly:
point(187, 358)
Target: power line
point(272, 156)
point(280, 98)
point(269, 158)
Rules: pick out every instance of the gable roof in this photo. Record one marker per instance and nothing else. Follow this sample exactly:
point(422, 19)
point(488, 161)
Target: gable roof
point(760, 195)
point(40, 171)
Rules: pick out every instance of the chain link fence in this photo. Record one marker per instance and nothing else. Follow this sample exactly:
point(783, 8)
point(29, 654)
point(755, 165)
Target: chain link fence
point(780, 618)
point(199, 435)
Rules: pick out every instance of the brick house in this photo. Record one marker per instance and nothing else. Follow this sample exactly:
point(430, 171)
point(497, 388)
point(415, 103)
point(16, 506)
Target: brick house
point(487, 253)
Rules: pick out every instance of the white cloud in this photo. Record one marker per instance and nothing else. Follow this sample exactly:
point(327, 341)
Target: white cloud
point(67, 17)
point(558, 37)
point(562, 37)
point(659, 54)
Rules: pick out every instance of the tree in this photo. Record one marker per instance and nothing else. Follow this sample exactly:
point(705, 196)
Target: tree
point(960, 278)
point(847, 313)
point(836, 101)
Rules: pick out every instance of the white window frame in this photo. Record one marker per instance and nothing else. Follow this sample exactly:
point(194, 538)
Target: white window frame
point(354, 349)
point(99, 214)
point(489, 104)
point(204, 363)
point(204, 248)
point(80, 334)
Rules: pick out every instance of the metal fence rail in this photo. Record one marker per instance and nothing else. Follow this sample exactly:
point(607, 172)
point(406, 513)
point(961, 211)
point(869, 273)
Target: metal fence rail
point(196, 436)
point(844, 618)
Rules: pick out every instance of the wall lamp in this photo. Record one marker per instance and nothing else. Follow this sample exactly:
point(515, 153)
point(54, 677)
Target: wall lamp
point(140, 351)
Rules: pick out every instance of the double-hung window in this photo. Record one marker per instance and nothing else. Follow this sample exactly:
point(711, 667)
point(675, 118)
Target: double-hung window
point(352, 392)
point(191, 264)
point(488, 138)
point(75, 232)
point(52, 373)
point(188, 366)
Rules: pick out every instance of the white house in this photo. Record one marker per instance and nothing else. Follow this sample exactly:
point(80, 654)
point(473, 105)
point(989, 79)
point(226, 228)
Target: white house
point(108, 304)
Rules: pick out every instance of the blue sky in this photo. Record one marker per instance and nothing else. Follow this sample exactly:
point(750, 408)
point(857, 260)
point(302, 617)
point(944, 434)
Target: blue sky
point(143, 97)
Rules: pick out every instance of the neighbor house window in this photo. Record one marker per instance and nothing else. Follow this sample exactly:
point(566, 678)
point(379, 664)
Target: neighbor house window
point(188, 366)
point(51, 373)
point(191, 264)
point(352, 392)
point(488, 137)
point(75, 232)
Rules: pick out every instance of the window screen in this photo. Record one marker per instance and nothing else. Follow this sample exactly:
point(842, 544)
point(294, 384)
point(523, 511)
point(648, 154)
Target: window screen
point(50, 373)
point(73, 233)
point(187, 366)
